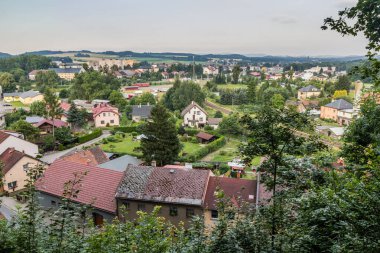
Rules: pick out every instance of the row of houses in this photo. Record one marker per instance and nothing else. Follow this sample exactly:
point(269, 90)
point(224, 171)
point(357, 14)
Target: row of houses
point(27, 97)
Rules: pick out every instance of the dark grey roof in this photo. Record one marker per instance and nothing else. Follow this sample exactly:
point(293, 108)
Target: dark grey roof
point(30, 93)
point(142, 110)
point(121, 163)
point(12, 94)
point(310, 88)
point(157, 184)
point(34, 119)
point(340, 104)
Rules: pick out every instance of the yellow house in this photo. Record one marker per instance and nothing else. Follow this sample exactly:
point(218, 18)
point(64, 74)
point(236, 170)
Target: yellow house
point(67, 73)
point(16, 165)
point(11, 97)
point(26, 98)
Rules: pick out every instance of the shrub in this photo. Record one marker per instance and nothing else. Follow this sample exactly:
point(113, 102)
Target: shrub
point(85, 138)
point(209, 148)
point(191, 131)
point(128, 129)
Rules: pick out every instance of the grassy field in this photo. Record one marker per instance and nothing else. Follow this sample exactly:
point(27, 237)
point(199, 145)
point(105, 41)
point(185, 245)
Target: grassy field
point(190, 148)
point(126, 146)
point(232, 86)
point(18, 104)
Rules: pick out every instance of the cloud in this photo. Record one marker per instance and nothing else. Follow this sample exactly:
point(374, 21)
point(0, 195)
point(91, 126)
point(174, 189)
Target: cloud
point(345, 3)
point(284, 20)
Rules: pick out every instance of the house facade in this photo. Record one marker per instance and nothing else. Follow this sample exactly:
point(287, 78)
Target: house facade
point(26, 98)
point(16, 165)
point(105, 115)
point(345, 117)
point(67, 73)
point(330, 111)
point(11, 141)
point(194, 116)
point(308, 92)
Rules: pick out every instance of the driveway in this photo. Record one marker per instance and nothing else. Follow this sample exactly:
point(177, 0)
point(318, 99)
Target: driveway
point(9, 206)
point(52, 156)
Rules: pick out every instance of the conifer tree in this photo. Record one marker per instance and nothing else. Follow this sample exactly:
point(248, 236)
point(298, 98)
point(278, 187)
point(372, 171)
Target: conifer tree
point(161, 141)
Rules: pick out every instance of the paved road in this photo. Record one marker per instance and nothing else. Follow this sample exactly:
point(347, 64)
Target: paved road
point(52, 156)
point(8, 207)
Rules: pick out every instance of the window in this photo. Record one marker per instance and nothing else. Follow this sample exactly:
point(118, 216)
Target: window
point(127, 205)
point(173, 211)
point(102, 122)
point(200, 119)
point(214, 214)
point(141, 207)
point(104, 114)
point(112, 121)
point(12, 185)
point(189, 212)
point(199, 112)
point(53, 203)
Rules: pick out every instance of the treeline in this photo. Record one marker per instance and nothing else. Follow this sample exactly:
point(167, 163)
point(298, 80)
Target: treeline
point(25, 62)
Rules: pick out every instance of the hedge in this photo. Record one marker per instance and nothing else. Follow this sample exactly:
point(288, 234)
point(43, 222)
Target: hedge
point(191, 131)
point(126, 129)
point(209, 148)
point(88, 137)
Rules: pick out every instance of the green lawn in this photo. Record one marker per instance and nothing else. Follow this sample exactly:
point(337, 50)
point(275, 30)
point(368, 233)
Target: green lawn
point(191, 148)
point(232, 86)
point(126, 146)
point(18, 104)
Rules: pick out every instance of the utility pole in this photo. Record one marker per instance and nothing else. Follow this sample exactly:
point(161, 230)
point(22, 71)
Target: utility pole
point(193, 68)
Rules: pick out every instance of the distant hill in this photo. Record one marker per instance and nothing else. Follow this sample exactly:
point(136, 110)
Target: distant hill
point(3, 55)
point(205, 57)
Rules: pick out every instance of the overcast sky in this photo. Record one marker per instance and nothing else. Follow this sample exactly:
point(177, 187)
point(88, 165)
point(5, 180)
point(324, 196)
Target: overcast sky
point(275, 27)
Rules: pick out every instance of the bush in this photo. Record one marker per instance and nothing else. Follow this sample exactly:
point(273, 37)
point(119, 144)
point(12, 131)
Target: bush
point(209, 148)
point(128, 129)
point(191, 131)
point(209, 128)
point(223, 168)
point(85, 138)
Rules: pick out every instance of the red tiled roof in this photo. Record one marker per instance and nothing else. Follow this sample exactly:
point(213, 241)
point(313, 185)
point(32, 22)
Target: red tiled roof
point(93, 156)
point(9, 158)
point(57, 123)
point(238, 190)
point(65, 106)
point(103, 108)
point(98, 187)
point(3, 136)
point(205, 136)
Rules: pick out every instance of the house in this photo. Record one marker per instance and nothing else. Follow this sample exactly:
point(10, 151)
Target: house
point(32, 75)
point(330, 111)
point(141, 112)
point(179, 192)
point(118, 75)
point(26, 98)
point(334, 132)
point(128, 73)
point(67, 73)
point(194, 115)
point(16, 165)
point(2, 120)
point(46, 125)
point(346, 116)
point(142, 84)
point(121, 163)
point(93, 156)
point(6, 108)
point(214, 122)
point(308, 92)
point(205, 137)
point(98, 188)
point(105, 115)
point(8, 140)
point(240, 193)
point(210, 70)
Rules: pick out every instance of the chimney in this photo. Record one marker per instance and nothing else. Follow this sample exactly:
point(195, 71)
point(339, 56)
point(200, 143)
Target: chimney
point(154, 163)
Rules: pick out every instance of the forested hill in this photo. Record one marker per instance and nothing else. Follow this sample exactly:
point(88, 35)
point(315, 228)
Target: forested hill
point(206, 57)
point(3, 55)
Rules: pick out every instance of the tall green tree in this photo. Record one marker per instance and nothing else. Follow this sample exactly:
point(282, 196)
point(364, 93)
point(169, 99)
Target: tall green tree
point(236, 70)
point(181, 95)
point(46, 80)
point(38, 108)
point(7, 82)
point(76, 117)
point(28, 130)
point(53, 109)
point(272, 133)
point(161, 142)
point(252, 88)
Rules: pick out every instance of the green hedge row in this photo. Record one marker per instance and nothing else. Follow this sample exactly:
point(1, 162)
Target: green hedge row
point(126, 129)
point(85, 138)
point(209, 148)
point(191, 131)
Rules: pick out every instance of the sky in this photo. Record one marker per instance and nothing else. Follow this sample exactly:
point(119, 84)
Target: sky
point(271, 27)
